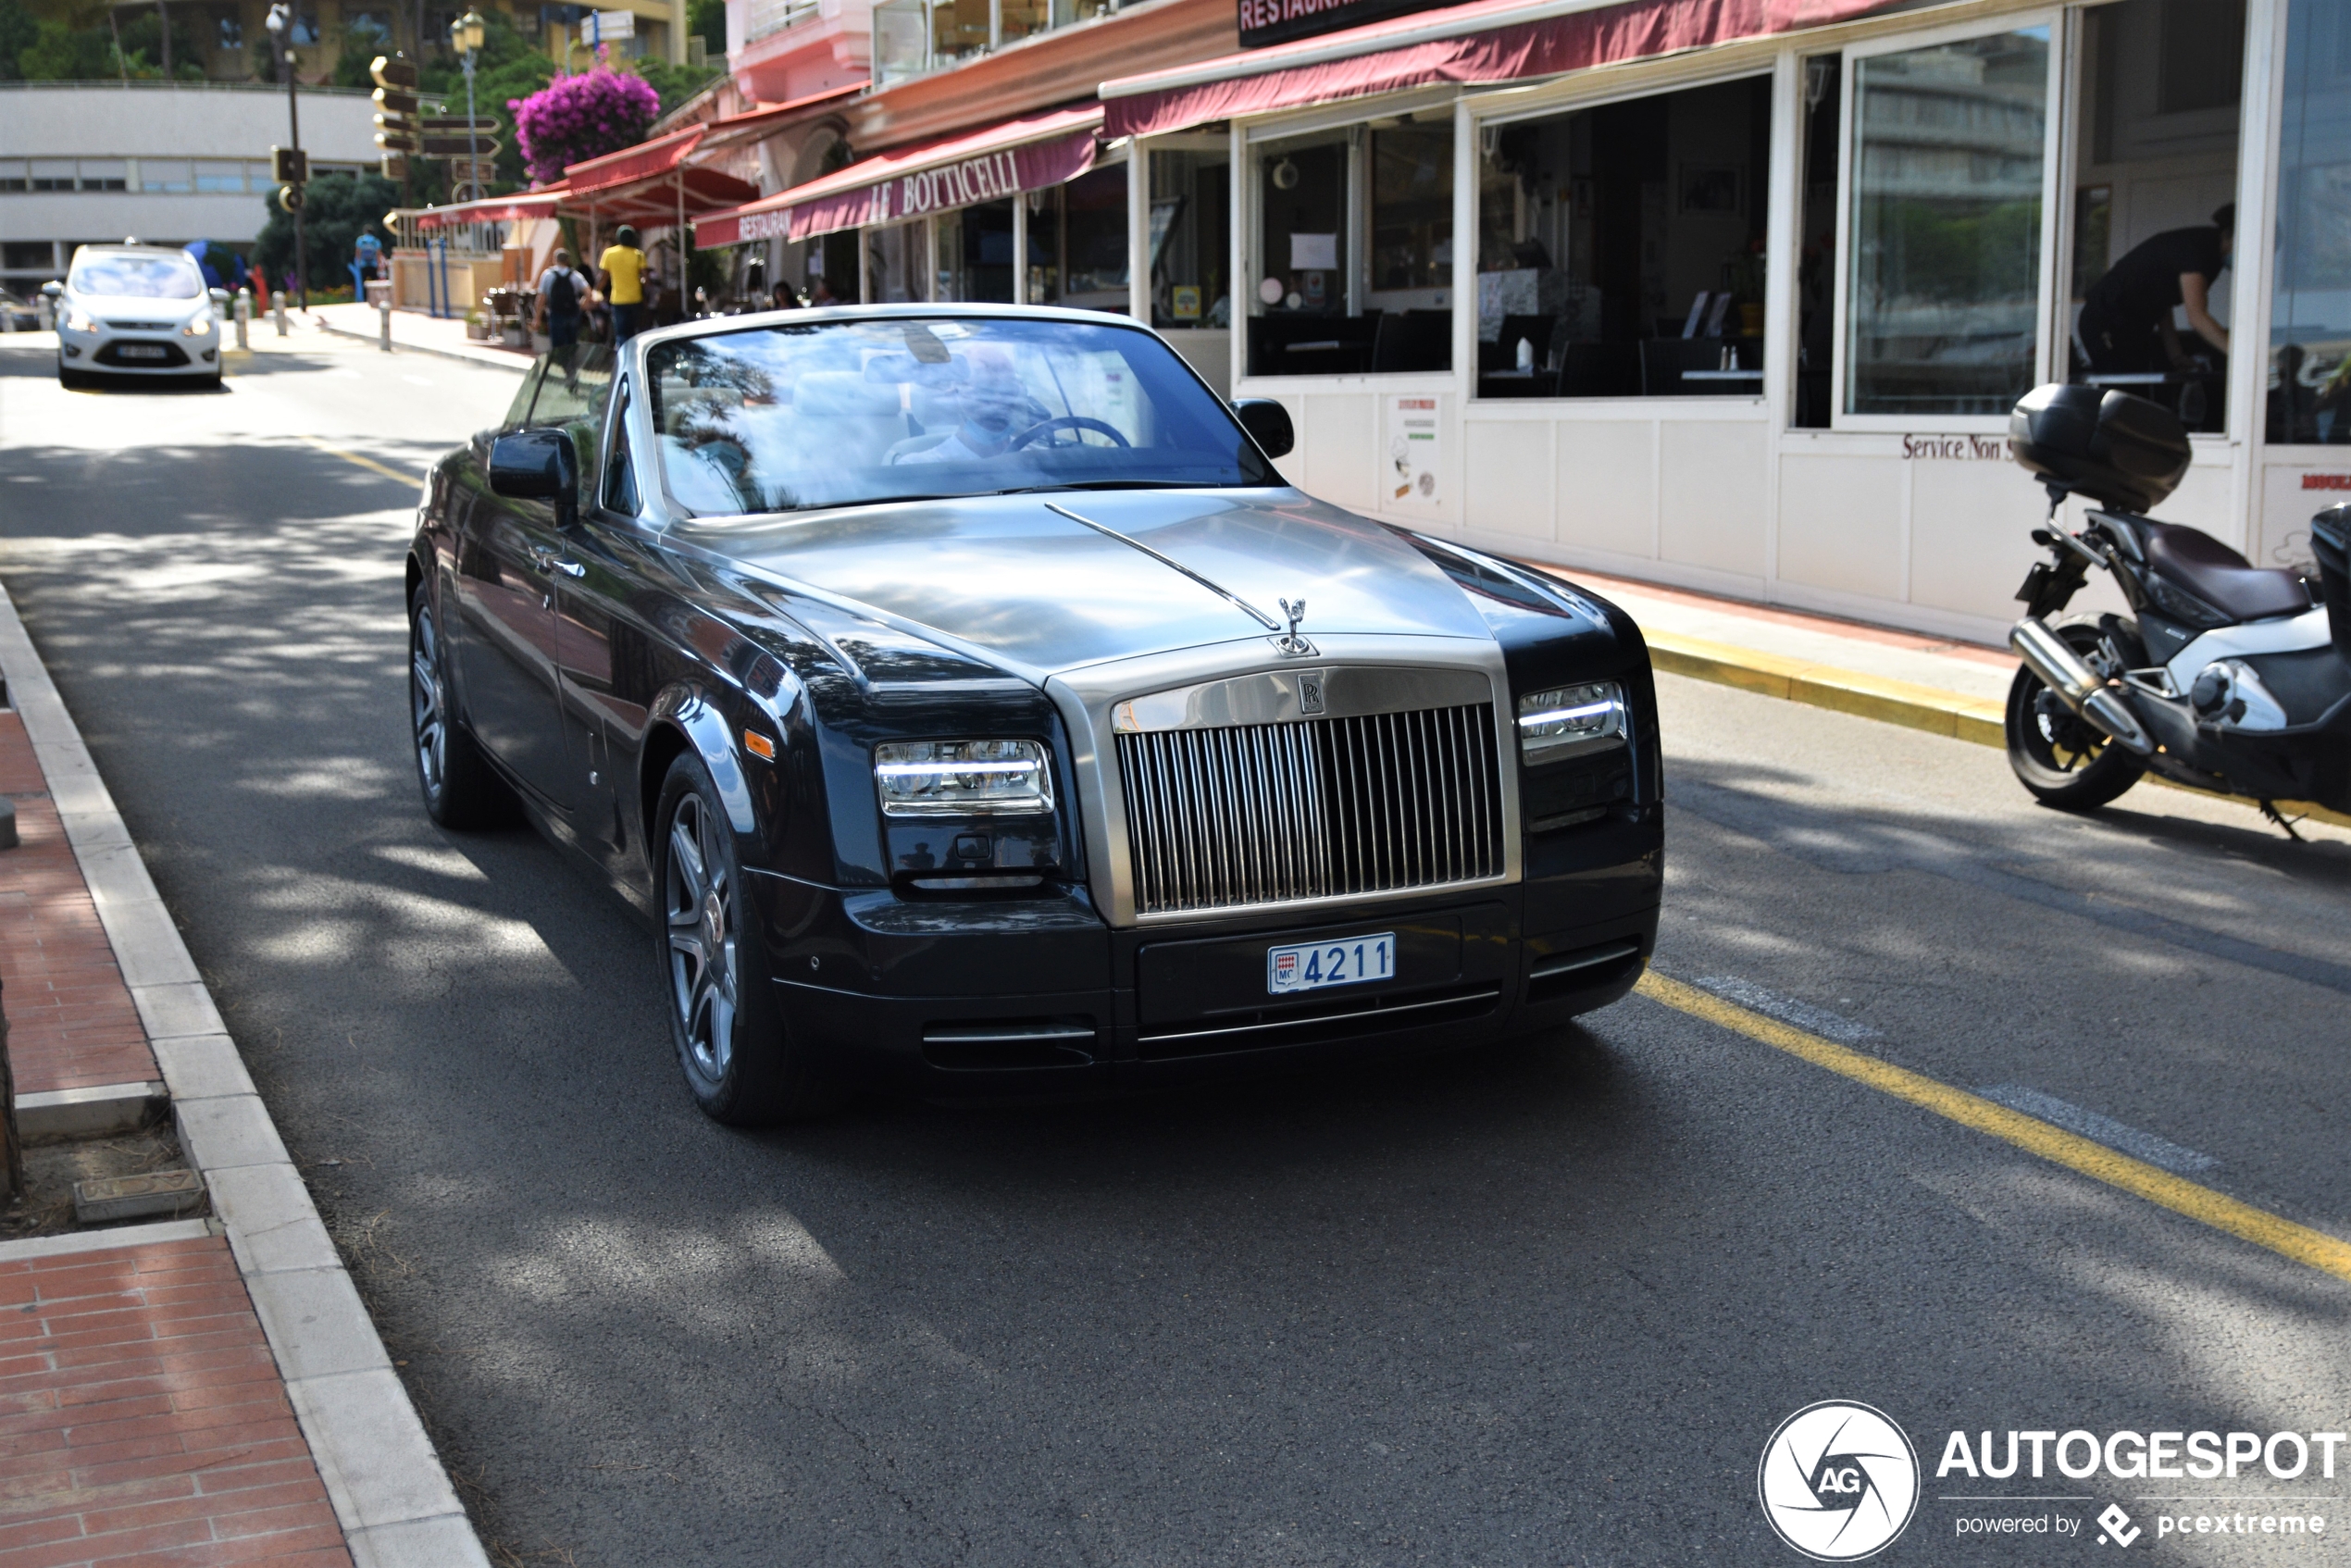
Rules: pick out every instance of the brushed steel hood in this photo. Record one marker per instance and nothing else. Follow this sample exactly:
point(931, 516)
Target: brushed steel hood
point(1043, 592)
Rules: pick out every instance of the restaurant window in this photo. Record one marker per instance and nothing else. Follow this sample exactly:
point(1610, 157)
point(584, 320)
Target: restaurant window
point(898, 263)
point(1944, 225)
point(1621, 248)
point(1077, 241)
point(54, 174)
point(220, 178)
point(976, 254)
point(2309, 394)
point(1190, 238)
point(1355, 251)
point(2155, 172)
point(106, 174)
point(167, 175)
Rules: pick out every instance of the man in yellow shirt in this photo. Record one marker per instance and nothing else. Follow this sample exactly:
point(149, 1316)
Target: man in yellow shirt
point(623, 266)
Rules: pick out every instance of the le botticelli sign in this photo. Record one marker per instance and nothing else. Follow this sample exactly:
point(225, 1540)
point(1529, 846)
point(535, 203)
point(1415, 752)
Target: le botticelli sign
point(888, 194)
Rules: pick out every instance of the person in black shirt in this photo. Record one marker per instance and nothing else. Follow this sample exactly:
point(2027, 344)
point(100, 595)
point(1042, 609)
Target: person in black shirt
point(2126, 318)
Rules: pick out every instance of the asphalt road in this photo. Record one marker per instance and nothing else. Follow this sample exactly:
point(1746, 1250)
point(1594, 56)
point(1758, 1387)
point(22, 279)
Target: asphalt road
point(1541, 1304)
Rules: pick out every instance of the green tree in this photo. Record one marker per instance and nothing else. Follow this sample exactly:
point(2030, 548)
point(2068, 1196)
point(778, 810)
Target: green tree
point(707, 19)
point(360, 47)
point(18, 31)
point(59, 52)
point(336, 209)
point(510, 66)
point(675, 83)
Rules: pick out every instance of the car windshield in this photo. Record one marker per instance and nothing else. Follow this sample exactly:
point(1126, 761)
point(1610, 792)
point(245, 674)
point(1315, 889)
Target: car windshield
point(842, 412)
point(138, 276)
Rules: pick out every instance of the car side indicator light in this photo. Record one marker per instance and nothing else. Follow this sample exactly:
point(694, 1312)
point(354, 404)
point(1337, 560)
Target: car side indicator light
point(758, 745)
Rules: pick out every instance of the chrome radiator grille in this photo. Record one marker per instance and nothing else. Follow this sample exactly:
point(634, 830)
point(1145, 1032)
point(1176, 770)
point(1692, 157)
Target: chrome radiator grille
point(1271, 813)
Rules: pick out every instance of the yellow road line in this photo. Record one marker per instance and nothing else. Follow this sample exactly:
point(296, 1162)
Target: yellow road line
point(2327, 1253)
point(364, 462)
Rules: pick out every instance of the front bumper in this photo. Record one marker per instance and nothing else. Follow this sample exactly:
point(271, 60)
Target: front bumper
point(114, 353)
point(1041, 996)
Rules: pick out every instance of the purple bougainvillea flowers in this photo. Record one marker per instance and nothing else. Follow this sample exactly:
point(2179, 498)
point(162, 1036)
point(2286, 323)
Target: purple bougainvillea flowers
point(577, 117)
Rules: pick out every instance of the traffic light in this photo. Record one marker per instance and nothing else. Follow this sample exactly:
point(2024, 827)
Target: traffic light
point(289, 165)
point(395, 111)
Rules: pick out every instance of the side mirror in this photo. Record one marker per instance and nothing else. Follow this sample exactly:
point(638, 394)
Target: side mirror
point(220, 297)
point(535, 466)
point(53, 288)
point(1267, 423)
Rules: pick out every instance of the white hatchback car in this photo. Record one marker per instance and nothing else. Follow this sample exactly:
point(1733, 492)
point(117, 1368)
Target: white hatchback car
point(135, 310)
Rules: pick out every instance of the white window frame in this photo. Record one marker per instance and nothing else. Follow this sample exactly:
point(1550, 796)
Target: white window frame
point(2053, 223)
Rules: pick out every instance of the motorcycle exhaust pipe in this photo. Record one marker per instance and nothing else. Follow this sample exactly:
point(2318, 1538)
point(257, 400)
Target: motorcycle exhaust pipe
point(2066, 673)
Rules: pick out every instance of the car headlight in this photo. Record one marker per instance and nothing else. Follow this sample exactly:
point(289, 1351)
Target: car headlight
point(199, 328)
point(77, 322)
point(1566, 719)
point(963, 777)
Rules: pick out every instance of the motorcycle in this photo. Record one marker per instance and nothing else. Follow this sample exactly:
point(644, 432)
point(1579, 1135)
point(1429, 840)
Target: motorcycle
point(2225, 675)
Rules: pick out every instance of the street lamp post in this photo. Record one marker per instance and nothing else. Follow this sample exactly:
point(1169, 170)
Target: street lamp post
point(281, 24)
point(466, 34)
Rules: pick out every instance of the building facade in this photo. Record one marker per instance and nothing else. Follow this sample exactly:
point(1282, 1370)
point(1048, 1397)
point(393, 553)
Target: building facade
point(166, 161)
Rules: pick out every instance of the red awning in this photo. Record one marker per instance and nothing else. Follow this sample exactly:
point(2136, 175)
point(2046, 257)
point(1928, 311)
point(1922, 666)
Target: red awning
point(520, 207)
point(982, 166)
point(645, 160)
point(657, 200)
point(761, 118)
point(1485, 40)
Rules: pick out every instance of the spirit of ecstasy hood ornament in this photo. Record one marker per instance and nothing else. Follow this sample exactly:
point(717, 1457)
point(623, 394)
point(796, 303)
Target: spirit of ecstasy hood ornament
point(1289, 643)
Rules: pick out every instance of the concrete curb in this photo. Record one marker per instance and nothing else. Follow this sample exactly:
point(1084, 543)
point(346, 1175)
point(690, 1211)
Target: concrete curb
point(496, 358)
point(97, 1111)
point(1976, 719)
point(390, 1494)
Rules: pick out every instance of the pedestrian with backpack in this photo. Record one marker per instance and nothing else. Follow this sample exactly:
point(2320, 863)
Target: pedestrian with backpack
point(562, 295)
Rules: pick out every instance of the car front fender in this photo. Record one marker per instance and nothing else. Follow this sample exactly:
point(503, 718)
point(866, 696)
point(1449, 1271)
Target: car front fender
point(685, 711)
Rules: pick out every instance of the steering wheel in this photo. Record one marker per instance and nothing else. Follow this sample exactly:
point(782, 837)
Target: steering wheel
point(1067, 422)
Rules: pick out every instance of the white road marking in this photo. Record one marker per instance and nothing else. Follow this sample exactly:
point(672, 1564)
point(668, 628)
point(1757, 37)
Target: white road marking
point(2161, 1153)
point(1787, 1010)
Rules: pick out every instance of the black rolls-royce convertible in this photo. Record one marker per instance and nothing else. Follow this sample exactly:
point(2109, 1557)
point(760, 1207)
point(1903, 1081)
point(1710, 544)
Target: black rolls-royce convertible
point(967, 702)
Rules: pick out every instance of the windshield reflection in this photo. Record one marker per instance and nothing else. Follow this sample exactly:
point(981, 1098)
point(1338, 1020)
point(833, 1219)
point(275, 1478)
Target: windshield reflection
point(796, 417)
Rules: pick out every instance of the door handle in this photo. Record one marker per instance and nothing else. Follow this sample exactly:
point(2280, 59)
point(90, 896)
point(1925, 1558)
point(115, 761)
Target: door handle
point(546, 560)
point(570, 568)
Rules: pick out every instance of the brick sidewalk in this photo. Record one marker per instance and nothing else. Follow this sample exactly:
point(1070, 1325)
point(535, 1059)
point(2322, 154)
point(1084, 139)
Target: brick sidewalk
point(143, 1421)
point(71, 1024)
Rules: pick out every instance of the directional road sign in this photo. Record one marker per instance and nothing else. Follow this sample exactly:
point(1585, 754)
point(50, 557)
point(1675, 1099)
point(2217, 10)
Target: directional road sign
point(485, 147)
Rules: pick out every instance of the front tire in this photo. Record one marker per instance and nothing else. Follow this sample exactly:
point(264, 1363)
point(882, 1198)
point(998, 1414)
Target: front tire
point(460, 789)
point(741, 1064)
point(2062, 758)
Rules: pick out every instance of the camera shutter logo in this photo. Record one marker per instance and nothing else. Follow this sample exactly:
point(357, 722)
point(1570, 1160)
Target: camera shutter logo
point(1838, 1481)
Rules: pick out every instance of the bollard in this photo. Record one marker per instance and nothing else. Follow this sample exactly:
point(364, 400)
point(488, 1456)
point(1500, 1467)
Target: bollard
point(244, 319)
point(278, 308)
point(45, 310)
point(383, 319)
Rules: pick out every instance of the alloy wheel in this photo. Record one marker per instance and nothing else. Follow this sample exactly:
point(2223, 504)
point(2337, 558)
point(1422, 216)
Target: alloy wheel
point(427, 703)
point(699, 909)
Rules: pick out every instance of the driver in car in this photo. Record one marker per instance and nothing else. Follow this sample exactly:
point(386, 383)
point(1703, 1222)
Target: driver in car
point(995, 409)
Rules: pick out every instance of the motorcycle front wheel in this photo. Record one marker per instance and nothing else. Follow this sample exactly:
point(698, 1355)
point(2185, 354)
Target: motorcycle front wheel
point(2062, 758)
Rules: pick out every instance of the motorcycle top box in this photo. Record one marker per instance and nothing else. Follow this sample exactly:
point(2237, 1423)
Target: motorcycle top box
point(2118, 449)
